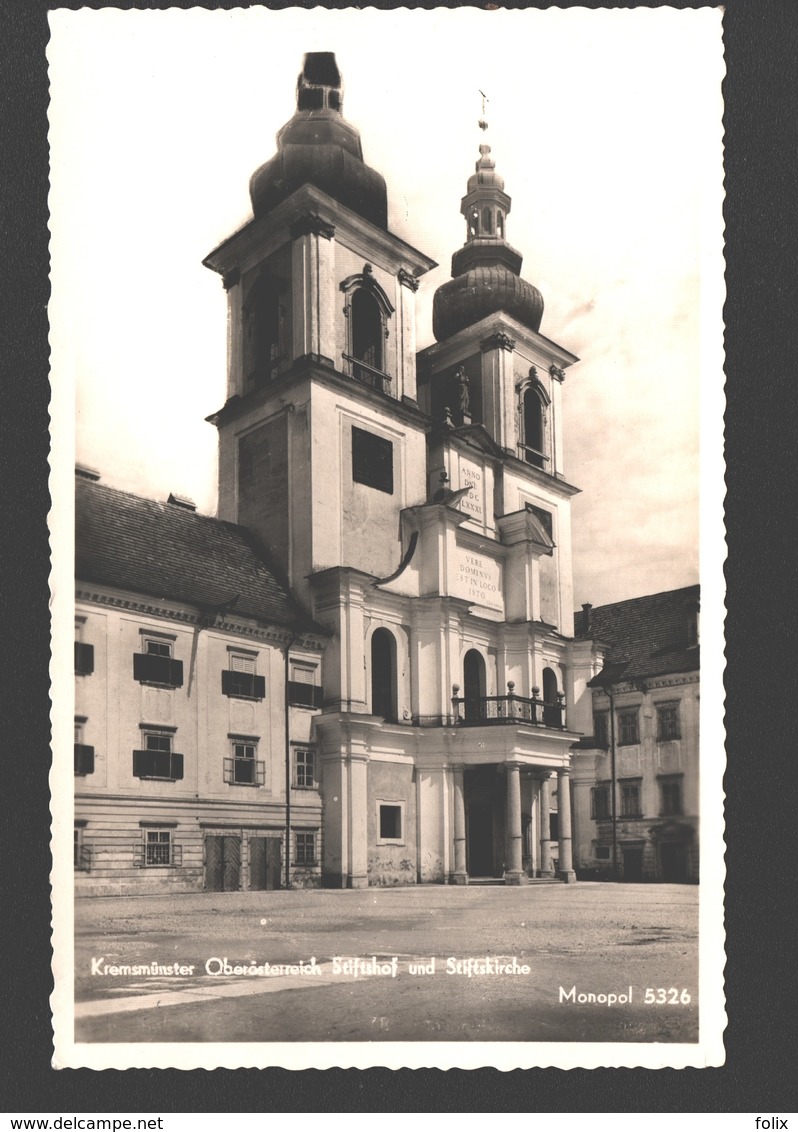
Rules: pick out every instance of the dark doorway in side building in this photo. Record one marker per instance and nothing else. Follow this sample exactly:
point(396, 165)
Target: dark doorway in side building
point(673, 860)
point(632, 865)
point(264, 863)
point(222, 864)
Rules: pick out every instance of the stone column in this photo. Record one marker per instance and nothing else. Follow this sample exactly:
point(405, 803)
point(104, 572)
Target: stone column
point(545, 842)
point(460, 875)
point(513, 871)
point(564, 803)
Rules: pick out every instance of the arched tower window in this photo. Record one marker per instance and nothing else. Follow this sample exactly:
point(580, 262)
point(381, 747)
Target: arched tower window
point(487, 222)
point(500, 224)
point(383, 674)
point(264, 332)
point(552, 712)
point(367, 312)
point(367, 331)
point(474, 684)
point(533, 403)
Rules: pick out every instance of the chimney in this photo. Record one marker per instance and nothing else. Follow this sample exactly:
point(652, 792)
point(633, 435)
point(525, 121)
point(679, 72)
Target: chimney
point(586, 609)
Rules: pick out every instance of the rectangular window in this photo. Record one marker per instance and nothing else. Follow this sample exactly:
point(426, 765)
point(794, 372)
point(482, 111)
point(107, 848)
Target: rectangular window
point(670, 796)
point(305, 847)
point(630, 798)
point(84, 659)
point(241, 680)
point(303, 688)
point(157, 759)
point(667, 722)
point(601, 728)
point(155, 663)
point(81, 852)
point(304, 769)
point(602, 852)
point(372, 460)
point(157, 847)
point(600, 802)
point(390, 818)
point(84, 754)
point(243, 768)
point(554, 827)
point(628, 730)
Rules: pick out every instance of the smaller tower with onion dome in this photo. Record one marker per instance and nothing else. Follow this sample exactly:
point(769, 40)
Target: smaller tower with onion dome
point(493, 383)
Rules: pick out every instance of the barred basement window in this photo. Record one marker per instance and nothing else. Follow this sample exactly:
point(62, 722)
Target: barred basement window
point(304, 769)
point(667, 722)
point(158, 849)
point(372, 460)
point(157, 759)
point(155, 663)
point(630, 799)
point(244, 769)
point(628, 730)
point(600, 807)
point(241, 680)
point(305, 847)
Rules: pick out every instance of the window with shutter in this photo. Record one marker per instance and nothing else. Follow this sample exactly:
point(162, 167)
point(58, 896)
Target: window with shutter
point(241, 680)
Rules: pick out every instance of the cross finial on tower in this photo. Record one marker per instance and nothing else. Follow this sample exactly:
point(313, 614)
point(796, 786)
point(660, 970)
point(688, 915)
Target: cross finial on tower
point(483, 125)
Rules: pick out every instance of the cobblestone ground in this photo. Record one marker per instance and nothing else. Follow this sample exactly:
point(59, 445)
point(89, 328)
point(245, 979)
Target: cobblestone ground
point(599, 939)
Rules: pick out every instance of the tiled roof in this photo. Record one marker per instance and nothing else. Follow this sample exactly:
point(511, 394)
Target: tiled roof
point(170, 552)
point(647, 635)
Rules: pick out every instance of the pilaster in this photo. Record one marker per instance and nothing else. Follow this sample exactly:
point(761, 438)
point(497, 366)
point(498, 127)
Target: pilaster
point(313, 291)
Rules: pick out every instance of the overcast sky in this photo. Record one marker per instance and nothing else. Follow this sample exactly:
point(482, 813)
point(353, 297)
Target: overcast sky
point(606, 128)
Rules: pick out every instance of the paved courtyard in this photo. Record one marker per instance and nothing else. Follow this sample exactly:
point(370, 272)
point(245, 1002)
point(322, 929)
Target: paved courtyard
point(534, 951)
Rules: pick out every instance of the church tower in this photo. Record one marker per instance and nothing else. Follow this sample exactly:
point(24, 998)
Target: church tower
point(426, 525)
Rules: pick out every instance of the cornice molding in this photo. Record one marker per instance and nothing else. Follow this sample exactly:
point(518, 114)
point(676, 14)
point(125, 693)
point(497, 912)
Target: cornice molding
point(497, 341)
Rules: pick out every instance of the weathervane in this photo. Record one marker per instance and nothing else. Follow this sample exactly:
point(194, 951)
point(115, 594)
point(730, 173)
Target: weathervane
point(483, 125)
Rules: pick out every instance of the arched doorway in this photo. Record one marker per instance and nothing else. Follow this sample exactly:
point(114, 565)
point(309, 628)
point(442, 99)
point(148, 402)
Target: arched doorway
point(383, 674)
point(552, 712)
point(474, 685)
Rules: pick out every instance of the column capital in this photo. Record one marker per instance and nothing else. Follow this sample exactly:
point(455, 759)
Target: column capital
point(311, 223)
point(407, 280)
point(564, 772)
point(498, 341)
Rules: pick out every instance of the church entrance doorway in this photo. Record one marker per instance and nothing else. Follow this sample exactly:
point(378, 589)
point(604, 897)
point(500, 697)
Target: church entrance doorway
point(484, 799)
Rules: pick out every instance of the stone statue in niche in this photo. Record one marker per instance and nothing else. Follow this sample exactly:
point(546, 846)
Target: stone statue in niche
point(463, 397)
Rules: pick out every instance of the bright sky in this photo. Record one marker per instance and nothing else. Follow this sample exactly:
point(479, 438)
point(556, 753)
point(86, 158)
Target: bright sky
point(606, 126)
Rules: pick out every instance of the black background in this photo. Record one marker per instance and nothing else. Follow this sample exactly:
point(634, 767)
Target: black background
point(761, 121)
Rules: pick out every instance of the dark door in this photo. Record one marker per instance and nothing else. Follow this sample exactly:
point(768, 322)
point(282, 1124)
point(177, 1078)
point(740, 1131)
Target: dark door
point(264, 862)
point(473, 685)
point(673, 856)
point(633, 864)
point(480, 839)
point(222, 863)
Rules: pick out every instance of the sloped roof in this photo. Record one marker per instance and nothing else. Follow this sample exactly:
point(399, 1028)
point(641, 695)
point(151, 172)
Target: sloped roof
point(173, 553)
point(647, 635)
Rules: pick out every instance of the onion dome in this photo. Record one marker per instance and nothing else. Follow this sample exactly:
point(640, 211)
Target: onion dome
point(486, 271)
point(318, 146)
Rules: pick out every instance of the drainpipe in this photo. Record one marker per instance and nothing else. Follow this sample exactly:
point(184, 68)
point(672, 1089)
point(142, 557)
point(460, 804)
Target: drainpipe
point(613, 791)
point(287, 708)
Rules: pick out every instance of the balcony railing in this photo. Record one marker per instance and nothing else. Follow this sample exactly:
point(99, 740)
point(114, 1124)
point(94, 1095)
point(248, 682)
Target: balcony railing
point(368, 374)
point(479, 711)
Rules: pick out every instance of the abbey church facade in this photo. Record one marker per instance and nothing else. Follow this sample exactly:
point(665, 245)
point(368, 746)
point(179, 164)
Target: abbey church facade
point(364, 670)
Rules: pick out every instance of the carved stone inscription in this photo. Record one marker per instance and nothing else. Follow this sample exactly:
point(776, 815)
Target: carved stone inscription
point(472, 476)
point(477, 578)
